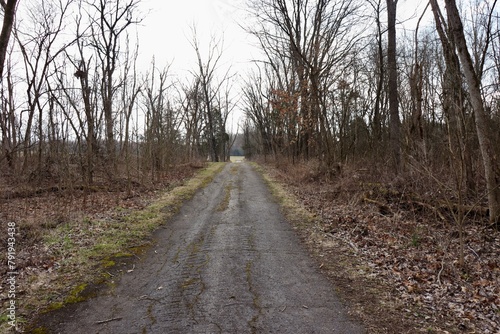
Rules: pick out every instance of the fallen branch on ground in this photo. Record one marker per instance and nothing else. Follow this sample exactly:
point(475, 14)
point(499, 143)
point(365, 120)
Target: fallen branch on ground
point(109, 320)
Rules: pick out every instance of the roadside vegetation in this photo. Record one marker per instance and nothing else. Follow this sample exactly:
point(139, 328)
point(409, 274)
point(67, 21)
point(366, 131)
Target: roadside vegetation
point(394, 260)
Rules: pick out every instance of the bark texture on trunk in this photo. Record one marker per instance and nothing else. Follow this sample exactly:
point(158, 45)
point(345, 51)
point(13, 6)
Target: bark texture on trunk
point(8, 21)
point(395, 122)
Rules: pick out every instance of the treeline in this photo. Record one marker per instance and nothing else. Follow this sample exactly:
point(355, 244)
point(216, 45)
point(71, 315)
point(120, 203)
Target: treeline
point(341, 84)
point(75, 107)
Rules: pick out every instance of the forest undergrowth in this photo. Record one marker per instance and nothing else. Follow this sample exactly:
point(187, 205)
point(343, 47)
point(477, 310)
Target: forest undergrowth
point(392, 248)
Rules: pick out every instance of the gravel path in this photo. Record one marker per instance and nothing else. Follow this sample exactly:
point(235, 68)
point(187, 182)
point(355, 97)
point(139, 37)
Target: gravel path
point(227, 263)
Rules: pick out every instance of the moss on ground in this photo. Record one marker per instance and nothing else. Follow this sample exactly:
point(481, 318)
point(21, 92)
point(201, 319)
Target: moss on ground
point(289, 204)
point(224, 204)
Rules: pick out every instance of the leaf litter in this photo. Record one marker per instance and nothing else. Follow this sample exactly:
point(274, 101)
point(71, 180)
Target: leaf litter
point(401, 260)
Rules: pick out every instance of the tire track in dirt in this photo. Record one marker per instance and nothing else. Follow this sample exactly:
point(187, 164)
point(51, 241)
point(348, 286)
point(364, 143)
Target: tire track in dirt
point(227, 263)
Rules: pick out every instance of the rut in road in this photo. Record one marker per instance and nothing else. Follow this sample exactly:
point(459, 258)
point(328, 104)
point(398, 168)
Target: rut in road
point(227, 263)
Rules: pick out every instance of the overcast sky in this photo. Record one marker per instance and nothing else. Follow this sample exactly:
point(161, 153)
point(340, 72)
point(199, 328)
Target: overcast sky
point(166, 31)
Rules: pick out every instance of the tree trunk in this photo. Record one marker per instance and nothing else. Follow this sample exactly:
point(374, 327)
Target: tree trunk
point(377, 121)
point(395, 123)
point(8, 22)
point(453, 102)
point(484, 133)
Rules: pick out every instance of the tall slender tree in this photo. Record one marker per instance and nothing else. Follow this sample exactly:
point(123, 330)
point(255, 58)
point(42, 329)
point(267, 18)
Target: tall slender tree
point(392, 70)
point(211, 92)
point(482, 119)
point(108, 23)
point(9, 13)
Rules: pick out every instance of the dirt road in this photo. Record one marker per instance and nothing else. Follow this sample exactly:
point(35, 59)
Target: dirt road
point(227, 263)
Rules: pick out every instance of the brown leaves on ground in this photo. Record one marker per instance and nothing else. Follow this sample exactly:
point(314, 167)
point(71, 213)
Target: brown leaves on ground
point(396, 260)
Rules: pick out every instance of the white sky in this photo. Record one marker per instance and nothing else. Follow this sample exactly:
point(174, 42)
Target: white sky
point(166, 31)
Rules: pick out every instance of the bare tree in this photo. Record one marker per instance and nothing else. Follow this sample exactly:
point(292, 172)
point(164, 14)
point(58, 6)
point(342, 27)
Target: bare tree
point(308, 45)
point(130, 91)
point(484, 132)
point(392, 71)
point(256, 94)
point(416, 79)
point(9, 127)
point(110, 20)
point(454, 101)
point(37, 48)
point(9, 13)
point(225, 106)
point(376, 119)
point(77, 92)
point(211, 87)
point(190, 100)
